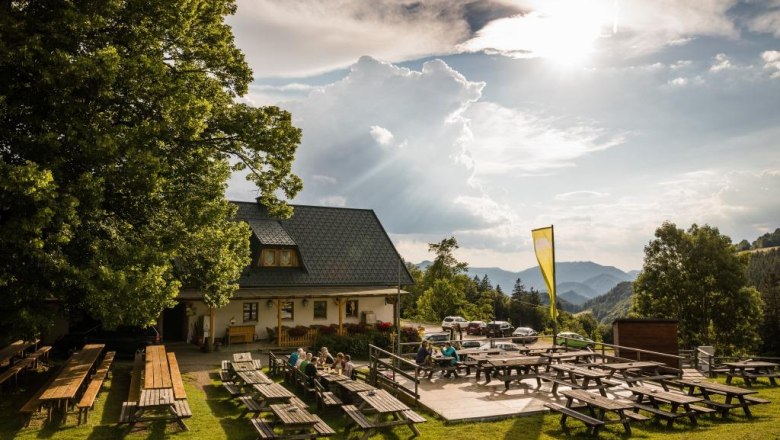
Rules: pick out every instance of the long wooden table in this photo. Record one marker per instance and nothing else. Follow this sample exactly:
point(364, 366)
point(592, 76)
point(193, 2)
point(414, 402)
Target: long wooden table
point(157, 372)
point(676, 400)
point(63, 389)
point(527, 367)
point(624, 369)
point(379, 403)
point(567, 374)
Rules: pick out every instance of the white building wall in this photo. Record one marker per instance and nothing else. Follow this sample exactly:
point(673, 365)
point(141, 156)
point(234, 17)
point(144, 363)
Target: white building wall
point(303, 315)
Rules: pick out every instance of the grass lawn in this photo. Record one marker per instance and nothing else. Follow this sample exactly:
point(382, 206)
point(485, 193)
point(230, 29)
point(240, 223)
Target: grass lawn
point(215, 417)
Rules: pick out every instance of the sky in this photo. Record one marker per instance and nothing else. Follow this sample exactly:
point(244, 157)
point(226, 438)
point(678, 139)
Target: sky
point(486, 119)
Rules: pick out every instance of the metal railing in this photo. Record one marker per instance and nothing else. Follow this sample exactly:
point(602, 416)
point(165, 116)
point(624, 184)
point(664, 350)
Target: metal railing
point(381, 361)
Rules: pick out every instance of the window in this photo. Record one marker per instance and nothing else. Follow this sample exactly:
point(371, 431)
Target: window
point(287, 258)
point(278, 258)
point(320, 309)
point(288, 310)
point(268, 258)
point(352, 309)
point(250, 311)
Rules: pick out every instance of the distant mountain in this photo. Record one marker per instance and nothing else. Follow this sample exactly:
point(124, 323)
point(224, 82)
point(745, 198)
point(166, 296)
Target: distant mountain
point(572, 297)
point(594, 279)
point(613, 305)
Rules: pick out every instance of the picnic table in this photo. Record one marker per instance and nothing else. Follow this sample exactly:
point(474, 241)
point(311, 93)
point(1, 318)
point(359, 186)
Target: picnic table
point(598, 406)
point(624, 370)
point(576, 355)
point(157, 371)
point(354, 386)
point(243, 366)
point(296, 423)
point(441, 363)
point(15, 349)
point(569, 375)
point(63, 389)
point(707, 390)
point(158, 404)
point(749, 371)
point(656, 397)
point(378, 405)
point(527, 367)
point(267, 395)
point(253, 377)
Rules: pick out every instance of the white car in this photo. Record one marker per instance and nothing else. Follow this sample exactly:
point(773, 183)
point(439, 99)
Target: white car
point(524, 335)
point(450, 321)
point(503, 346)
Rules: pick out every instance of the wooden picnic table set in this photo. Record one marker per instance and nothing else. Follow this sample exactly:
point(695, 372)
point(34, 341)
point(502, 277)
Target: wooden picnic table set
point(61, 392)
point(751, 370)
point(14, 359)
point(377, 410)
point(161, 395)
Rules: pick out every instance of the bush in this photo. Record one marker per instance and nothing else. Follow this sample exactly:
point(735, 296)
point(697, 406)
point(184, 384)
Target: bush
point(355, 343)
point(384, 327)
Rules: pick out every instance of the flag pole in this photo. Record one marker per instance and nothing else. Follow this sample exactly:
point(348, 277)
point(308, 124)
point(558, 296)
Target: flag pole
point(555, 286)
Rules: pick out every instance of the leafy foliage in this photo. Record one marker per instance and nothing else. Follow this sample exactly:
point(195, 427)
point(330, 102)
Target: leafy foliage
point(696, 277)
point(764, 273)
point(613, 305)
point(770, 239)
point(118, 132)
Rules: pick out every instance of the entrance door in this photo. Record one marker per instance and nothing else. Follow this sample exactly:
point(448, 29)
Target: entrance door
point(175, 323)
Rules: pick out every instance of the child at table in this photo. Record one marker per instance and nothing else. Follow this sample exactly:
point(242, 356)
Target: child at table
point(450, 351)
point(311, 370)
point(349, 367)
point(338, 364)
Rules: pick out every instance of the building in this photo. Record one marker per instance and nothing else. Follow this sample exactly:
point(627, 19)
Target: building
point(322, 266)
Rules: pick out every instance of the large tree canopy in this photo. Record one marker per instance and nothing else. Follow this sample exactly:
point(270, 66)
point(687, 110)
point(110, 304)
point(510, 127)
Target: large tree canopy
point(118, 131)
point(697, 278)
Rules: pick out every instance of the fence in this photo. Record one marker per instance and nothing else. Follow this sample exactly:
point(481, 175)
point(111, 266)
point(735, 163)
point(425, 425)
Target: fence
point(305, 340)
point(382, 361)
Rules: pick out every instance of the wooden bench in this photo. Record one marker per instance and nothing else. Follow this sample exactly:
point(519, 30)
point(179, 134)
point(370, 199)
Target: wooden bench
point(258, 364)
point(590, 422)
point(358, 418)
point(134, 395)
point(702, 409)
point(182, 408)
point(241, 333)
point(224, 376)
point(16, 369)
point(322, 429)
point(413, 416)
point(660, 413)
point(225, 365)
point(88, 399)
point(508, 378)
point(263, 430)
point(40, 355)
point(128, 409)
point(178, 384)
point(232, 389)
point(275, 365)
point(34, 404)
point(302, 381)
point(251, 406)
point(636, 416)
point(755, 400)
point(325, 399)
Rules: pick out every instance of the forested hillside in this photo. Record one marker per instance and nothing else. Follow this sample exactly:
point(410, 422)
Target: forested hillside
point(612, 305)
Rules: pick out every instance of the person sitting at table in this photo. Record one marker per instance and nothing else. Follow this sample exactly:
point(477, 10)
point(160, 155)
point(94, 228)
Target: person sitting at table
point(305, 362)
point(449, 351)
point(293, 361)
point(325, 358)
point(311, 370)
point(423, 357)
point(349, 367)
point(338, 363)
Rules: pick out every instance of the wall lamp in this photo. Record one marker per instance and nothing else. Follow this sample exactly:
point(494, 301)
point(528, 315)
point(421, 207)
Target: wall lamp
point(269, 303)
point(305, 302)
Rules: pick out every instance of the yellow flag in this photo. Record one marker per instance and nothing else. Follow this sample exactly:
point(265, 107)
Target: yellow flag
point(544, 246)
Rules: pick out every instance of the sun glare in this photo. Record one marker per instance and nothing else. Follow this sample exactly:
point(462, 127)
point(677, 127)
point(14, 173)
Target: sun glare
point(568, 31)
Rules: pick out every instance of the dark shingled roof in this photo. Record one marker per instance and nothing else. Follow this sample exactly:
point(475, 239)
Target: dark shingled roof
point(338, 247)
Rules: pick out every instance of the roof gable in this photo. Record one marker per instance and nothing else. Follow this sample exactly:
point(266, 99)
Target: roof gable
point(340, 247)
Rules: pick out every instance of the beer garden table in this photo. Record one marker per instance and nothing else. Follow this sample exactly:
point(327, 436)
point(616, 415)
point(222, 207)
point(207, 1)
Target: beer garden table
point(751, 370)
point(677, 401)
point(624, 369)
point(379, 403)
point(253, 377)
point(242, 357)
point(599, 406)
point(66, 384)
point(569, 374)
point(15, 349)
point(707, 389)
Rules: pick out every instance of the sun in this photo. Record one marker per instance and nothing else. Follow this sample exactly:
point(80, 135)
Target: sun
point(566, 31)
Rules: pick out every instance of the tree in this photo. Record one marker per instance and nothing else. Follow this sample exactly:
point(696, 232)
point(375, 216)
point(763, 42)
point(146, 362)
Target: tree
point(696, 277)
point(770, 239)
point(445, 266)
point(118, 132)
point(764, 273)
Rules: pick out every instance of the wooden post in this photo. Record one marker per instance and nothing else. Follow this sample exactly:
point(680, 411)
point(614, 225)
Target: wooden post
point(211, 327)
point(279, 322)
point(341, 318)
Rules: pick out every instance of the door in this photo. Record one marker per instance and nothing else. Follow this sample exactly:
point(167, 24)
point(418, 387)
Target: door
point(175, 323)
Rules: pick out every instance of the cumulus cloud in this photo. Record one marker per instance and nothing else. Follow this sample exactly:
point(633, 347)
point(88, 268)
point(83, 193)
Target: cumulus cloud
point(772, 62)
point(679, 82)
point(767, 20)
point(722, 62)
point(381, 135)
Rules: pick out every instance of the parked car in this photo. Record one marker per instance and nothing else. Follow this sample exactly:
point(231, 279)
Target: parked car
point(475, 328)
point(125, 340)
point(503, 346)
point(450, 321)
point(525, 335)
point(570, 339)
point(471, 343)
point(437, 338)
point(498, 329)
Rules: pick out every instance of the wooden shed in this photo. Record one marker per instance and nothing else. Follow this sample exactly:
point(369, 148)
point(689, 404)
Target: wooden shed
point(647, 334)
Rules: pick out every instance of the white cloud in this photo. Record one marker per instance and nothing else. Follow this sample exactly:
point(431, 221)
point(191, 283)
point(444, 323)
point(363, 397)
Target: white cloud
point(305, 37)
point(320, 178)
point(772, 62)
point(679, 82)
point(722, 62)
point(767, 22)
point(337, 201)
point(580, 195)
point(381, 135)
point(571, 28)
